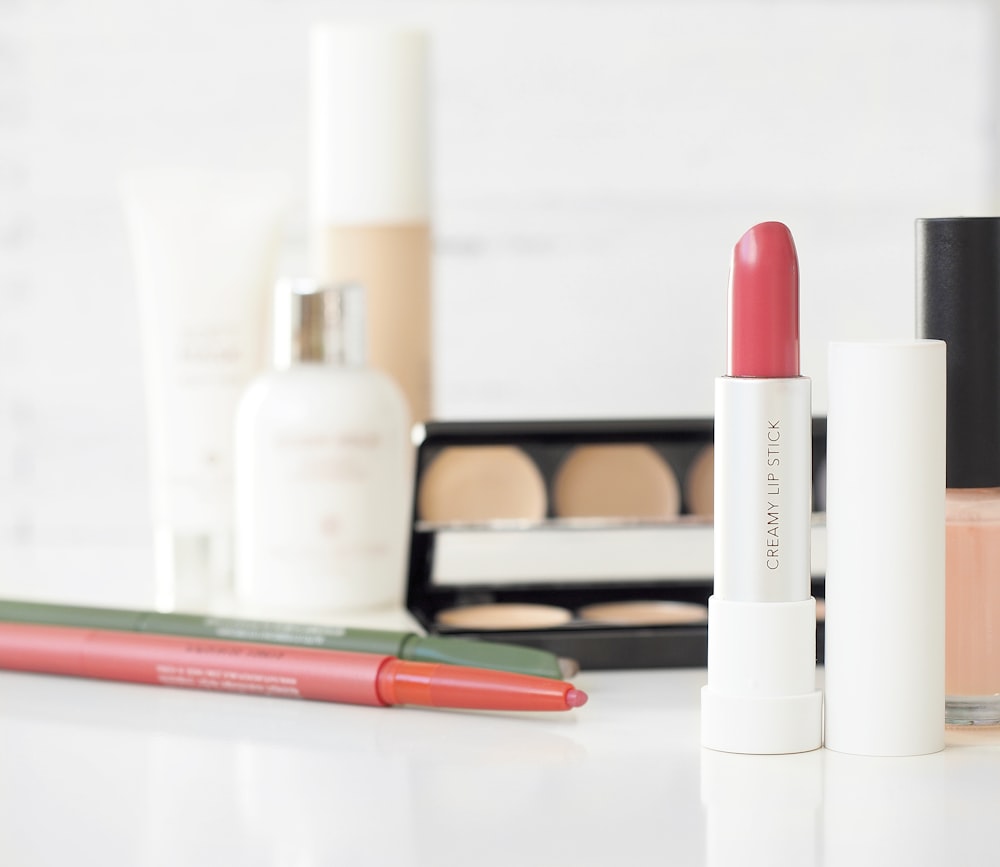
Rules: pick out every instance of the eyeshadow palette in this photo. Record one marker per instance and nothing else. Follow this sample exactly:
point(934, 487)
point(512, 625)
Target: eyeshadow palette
point(591, 539)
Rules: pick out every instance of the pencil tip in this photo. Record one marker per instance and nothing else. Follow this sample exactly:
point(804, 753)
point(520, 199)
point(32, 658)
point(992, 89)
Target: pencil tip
point(568, 667)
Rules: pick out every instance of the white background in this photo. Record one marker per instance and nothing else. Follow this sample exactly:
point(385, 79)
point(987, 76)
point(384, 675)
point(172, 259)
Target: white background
point(595, 161)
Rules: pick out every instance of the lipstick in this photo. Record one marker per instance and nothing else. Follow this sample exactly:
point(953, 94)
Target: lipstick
point(764, 305)
point(272, 670)
point(761, 694)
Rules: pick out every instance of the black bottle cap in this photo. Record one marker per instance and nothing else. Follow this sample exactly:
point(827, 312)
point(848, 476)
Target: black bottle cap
point(958, 301)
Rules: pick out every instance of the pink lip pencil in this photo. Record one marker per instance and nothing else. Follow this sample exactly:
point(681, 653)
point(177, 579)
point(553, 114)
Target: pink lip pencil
point(269, 670)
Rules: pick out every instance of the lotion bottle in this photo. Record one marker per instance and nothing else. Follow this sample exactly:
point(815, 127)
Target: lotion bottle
point(369, 189)
point(322, 465)
point(206, 247)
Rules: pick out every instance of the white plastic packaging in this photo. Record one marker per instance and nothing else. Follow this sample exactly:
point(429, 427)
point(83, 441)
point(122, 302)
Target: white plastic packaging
point(369, 186)
point(323, 467)
point(885, 592)
point(369, 125)
point(761, 694)
point(205, 247)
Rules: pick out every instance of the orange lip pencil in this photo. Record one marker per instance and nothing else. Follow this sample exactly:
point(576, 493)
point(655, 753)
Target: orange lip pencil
point(259, 669)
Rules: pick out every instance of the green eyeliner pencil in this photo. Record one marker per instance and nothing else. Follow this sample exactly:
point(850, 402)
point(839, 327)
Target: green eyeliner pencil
point(403, 645)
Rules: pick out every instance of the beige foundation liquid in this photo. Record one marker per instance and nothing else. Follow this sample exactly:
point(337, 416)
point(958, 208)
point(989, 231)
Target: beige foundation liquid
point(972, 644)
point(393, 264)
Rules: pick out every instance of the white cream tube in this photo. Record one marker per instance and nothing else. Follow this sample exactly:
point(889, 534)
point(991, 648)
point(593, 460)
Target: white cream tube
point(206, 247)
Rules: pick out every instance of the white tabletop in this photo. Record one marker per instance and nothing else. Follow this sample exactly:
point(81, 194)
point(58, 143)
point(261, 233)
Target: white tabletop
point(116, 774)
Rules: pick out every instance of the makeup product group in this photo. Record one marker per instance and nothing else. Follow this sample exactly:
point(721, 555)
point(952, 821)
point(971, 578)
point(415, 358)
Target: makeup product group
point(301, 484)
point(295, 480)
point(296, 486)
point(905, 564)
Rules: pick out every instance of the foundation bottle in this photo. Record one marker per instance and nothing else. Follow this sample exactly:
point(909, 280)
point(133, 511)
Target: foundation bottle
point(369, 189)
point(958, 301)
point(322, 465)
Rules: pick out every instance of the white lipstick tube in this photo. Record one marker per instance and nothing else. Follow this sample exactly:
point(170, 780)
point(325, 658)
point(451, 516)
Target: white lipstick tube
point(763, 488)
point(761, 695)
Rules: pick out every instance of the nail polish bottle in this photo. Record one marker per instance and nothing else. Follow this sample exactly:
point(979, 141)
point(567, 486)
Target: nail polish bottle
point(322, 465)
point(958, 301)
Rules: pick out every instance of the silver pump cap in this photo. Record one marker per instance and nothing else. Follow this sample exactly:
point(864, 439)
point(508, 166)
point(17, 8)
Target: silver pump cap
point(317, 324)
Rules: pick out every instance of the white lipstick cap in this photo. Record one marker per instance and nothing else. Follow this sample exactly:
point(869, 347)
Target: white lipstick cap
point(885, 599)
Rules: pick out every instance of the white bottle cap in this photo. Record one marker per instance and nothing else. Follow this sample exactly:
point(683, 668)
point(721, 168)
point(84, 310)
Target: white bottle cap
point(885, 558)
point(368, 125)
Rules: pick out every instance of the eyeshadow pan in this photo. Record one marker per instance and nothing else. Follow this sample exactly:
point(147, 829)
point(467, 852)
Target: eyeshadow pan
point(505, 615)
point(699, 485)
point(616, 481)
point(641, 612)
point(482, 483)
